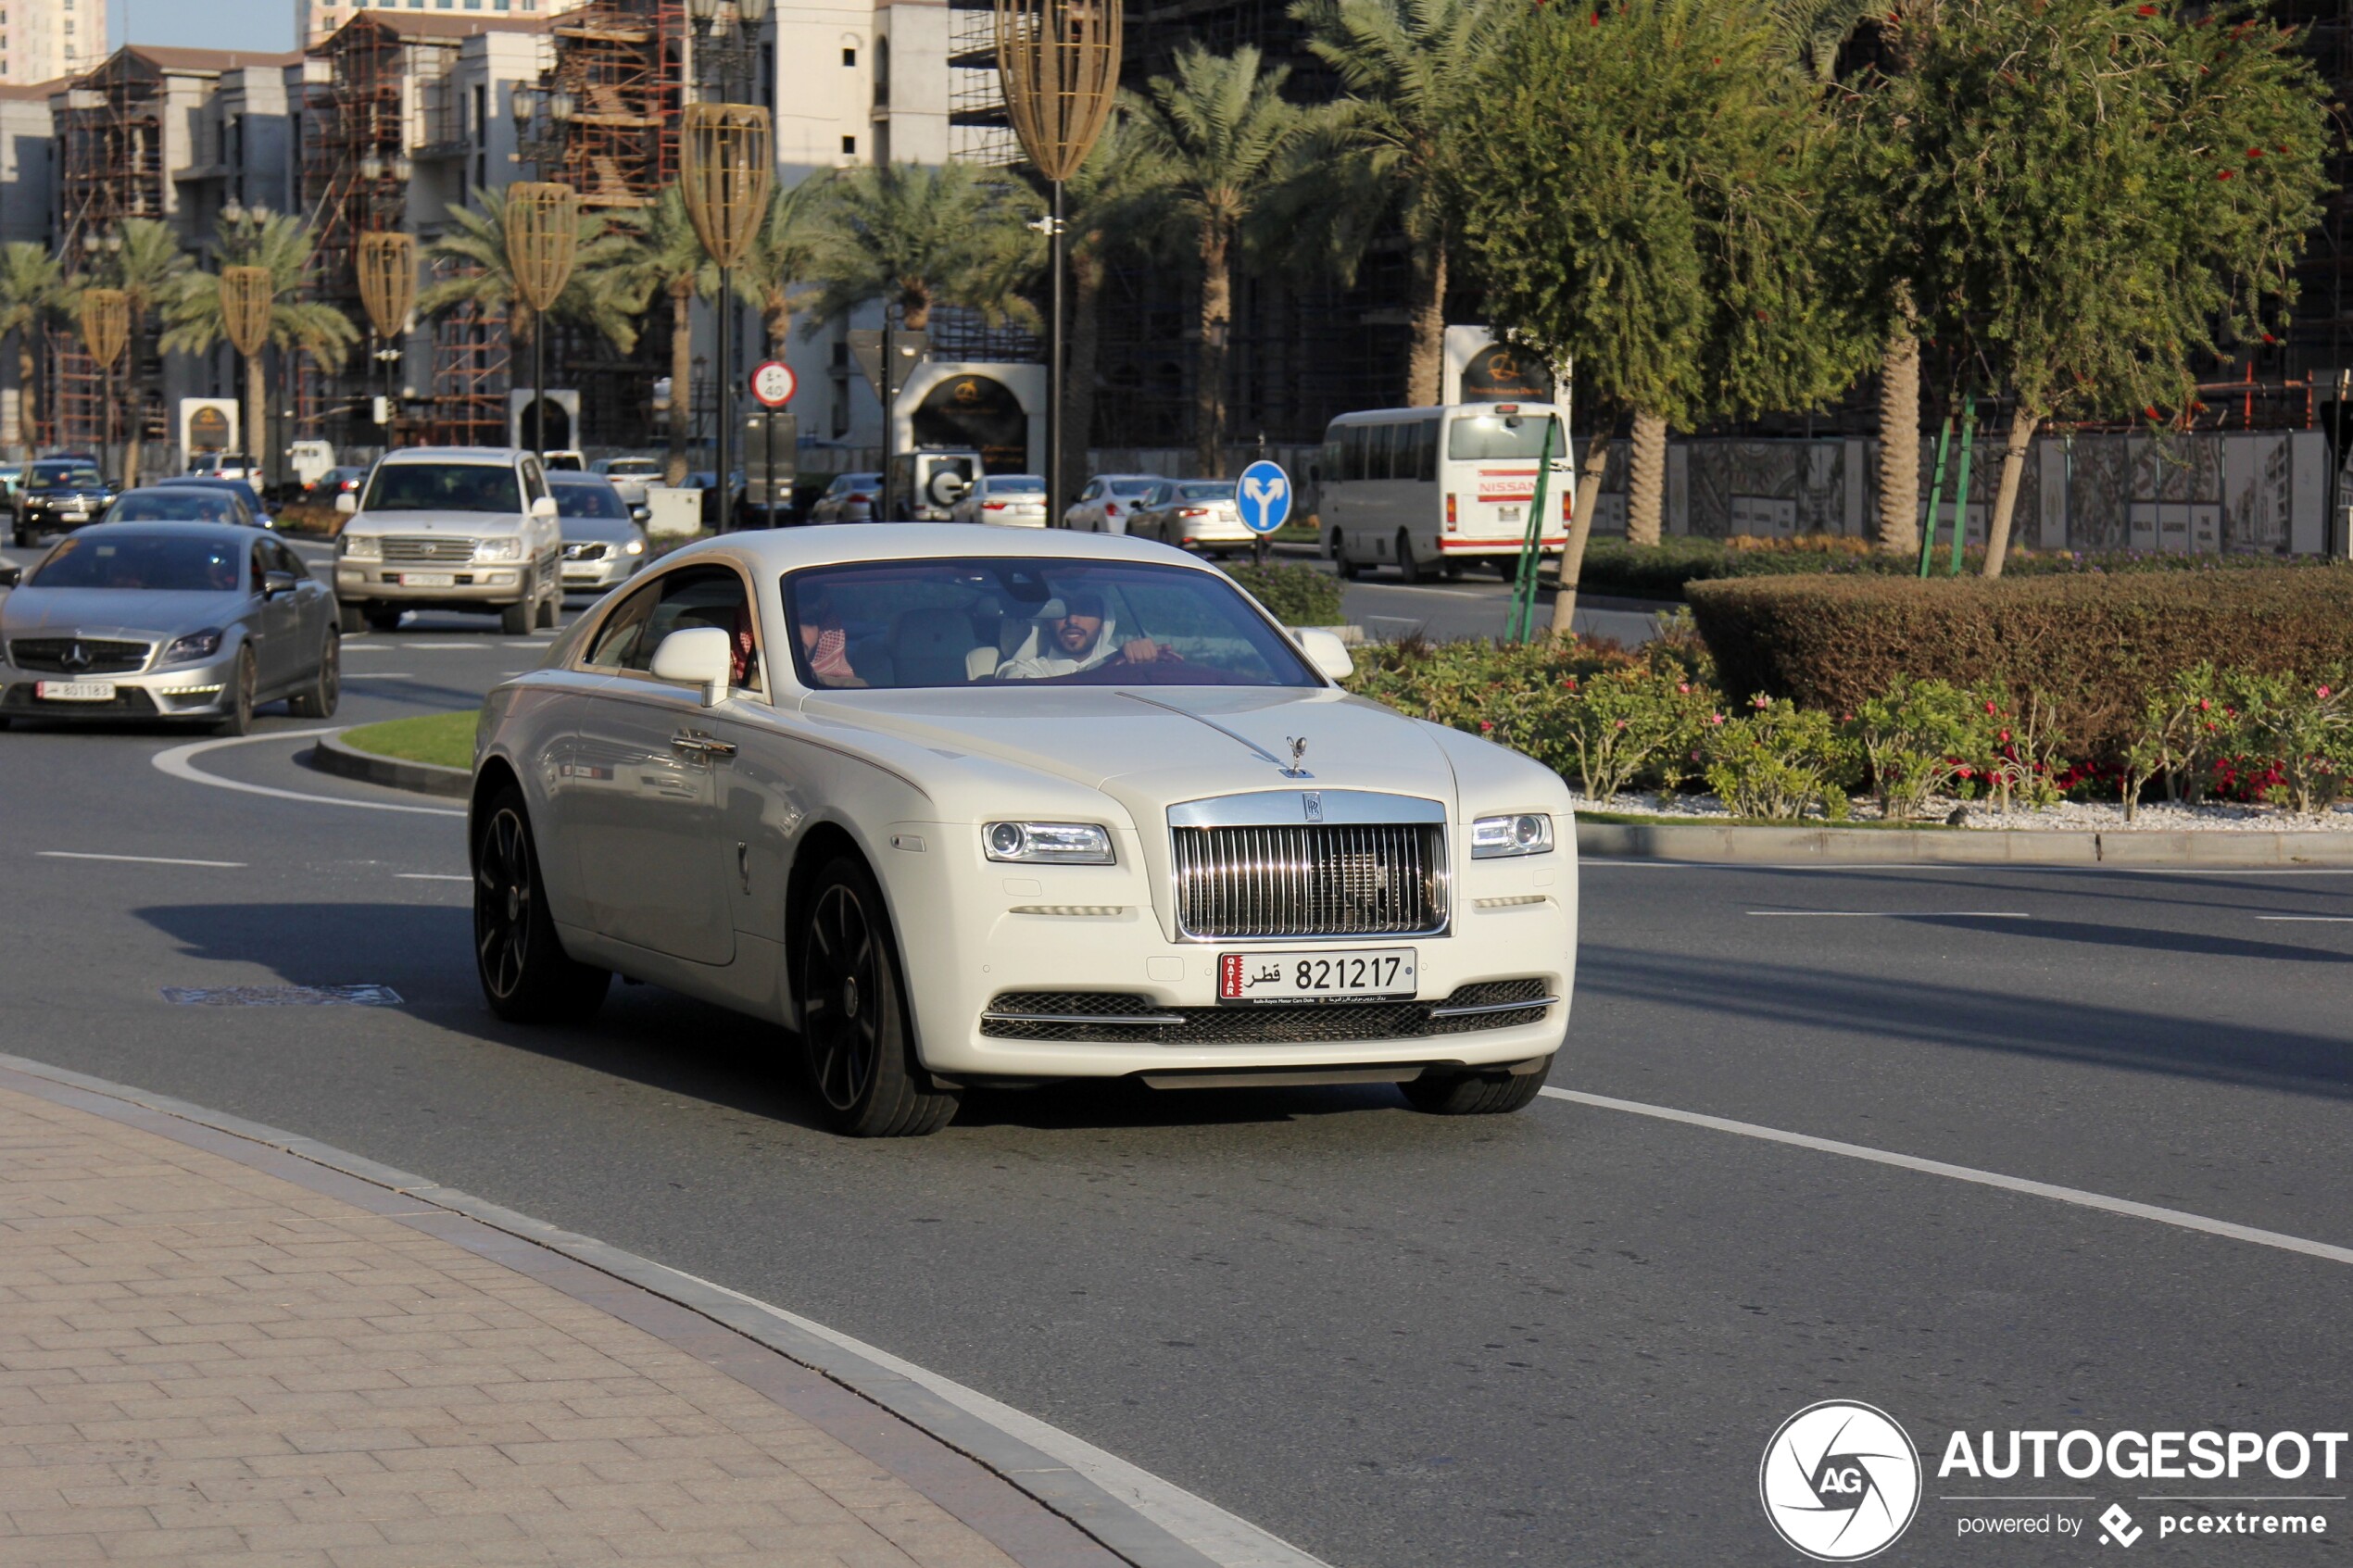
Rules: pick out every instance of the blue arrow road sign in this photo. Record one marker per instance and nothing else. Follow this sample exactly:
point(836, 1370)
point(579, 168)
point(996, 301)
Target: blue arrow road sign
point(1263, 495)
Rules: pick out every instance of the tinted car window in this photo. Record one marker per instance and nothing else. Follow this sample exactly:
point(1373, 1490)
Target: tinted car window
point(1222, 490)
point(188, 505)
point(64, 476)
point(1127, 487)
point(164, 562)
point(1502, 435)
point(617, 638)
point(701, 595)
point(599, 499)
point(1014, 485)
point(442, 487)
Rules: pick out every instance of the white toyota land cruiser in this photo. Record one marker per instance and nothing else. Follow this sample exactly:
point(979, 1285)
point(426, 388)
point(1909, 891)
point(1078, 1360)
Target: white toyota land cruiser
point(451, 528)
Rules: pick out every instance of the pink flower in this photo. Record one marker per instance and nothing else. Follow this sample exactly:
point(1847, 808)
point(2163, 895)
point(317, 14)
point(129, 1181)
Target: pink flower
point(2203, 705)
point(2322, 693)
point(1684, 687)
point(1716, 718)
point(1485, 727)
point(1990, 707)
point(1621, 723)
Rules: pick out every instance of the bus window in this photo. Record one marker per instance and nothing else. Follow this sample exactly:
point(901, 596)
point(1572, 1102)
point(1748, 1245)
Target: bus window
point(1351, 440)
point(1425, 450)
point(1377, 448)
point(1488, 435)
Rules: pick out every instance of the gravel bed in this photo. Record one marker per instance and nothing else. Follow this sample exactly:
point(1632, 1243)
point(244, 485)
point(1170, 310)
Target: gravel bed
point(2071, 816)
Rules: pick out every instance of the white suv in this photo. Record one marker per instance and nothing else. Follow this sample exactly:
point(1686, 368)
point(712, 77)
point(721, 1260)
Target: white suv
point(451, 528)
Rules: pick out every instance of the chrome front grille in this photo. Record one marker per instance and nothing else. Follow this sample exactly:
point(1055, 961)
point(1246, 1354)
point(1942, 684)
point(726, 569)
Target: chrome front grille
point(433, 547)
point(1371, 879)
point(584, 552)
point(78, 656)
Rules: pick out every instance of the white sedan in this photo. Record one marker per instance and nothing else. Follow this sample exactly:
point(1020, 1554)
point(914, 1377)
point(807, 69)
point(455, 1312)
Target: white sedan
point(965, 811)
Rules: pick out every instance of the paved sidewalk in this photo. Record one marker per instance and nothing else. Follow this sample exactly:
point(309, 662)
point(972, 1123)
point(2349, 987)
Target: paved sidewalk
point(202, 1361)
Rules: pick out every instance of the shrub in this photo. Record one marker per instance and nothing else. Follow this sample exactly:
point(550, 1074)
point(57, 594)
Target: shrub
point(1295, 594)
point(1919, 737)
point(2026, 760)
point(1622, 726)
point(1777, 761)
point(2095, 646)
point(2305, 728)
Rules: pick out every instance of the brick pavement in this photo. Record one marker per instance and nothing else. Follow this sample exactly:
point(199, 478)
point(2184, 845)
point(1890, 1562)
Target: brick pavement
point(202, 1361)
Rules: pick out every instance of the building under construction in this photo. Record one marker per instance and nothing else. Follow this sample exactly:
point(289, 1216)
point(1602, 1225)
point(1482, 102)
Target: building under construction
point(621, 66)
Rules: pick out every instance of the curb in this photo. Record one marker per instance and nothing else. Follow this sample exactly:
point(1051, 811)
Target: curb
point(1702, 843)
point(1110, 1510)
point(329, 755)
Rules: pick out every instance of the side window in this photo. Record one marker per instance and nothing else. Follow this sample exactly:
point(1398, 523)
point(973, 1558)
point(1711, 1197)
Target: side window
point(260, 564)
point(1380, 443)
point(289, 561)
point(703, 595)
point(1352, 452)
point(534, 485)
point(618, 637)
point(1426, 465)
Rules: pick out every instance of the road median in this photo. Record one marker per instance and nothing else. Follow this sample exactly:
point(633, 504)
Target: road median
point(1800, 843)
point(335, 754)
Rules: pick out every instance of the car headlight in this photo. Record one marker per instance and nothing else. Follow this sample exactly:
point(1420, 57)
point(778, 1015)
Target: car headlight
point(1066, 844)
point(364, 546)
point(636, 546)
point(1527, 834)
point(195, 644)
point(497, 549)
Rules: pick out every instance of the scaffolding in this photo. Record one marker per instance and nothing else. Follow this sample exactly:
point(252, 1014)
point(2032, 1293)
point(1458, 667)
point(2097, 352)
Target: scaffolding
point(355, 142)
point(623, 63)
point(467, 406)
point(110, 152)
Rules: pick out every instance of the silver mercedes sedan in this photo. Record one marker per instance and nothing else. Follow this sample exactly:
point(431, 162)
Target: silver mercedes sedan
point(166, 621)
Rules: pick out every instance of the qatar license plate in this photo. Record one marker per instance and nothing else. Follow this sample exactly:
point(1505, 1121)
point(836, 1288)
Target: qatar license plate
point(1347, 973)
point(1506, 514)
point(428, 579)
point(74, 690)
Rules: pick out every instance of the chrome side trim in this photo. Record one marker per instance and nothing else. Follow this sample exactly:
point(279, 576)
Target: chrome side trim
point(1287, 807)
point(1493, 1007)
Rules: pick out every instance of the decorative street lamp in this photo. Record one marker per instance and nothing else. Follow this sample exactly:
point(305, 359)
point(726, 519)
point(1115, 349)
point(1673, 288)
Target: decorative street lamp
point(548, 146)
point(721, 54)
point(386, 262)
point(1058, 63)
point(247, 297)
point(543, 234)
point(105, 328)
point(726, 169)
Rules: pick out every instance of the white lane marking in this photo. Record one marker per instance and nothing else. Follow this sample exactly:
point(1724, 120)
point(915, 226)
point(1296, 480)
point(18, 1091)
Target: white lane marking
point(1858, 867)
point(1893, 914)
point(379, 676)
point(1225, 1538)
point(137, 859)
point(2057, 1194)
point(179, 762)
point(2312, 920)
point(431, 876)
point(351, 645)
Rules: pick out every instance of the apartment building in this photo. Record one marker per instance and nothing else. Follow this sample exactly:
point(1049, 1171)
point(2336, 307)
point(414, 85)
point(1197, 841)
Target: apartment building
point(41, 40)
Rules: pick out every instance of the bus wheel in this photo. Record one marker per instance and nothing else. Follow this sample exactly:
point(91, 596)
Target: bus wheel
point(1408, 568)
point(1348, 568)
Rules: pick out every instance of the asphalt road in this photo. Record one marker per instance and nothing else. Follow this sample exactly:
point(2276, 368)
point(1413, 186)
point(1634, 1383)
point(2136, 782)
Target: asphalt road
point(1558, 1337)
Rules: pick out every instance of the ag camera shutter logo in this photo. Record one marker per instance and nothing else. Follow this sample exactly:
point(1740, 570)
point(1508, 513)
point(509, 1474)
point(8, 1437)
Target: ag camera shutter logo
point(1840, 1481)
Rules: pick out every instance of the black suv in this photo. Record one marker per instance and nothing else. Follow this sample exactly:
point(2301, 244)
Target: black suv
point(58, 496)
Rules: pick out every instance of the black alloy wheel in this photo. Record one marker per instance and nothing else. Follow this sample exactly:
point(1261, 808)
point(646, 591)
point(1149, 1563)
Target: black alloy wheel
point(238, 720)
point(853, 1019)
point(526, 975)
point(319, 699)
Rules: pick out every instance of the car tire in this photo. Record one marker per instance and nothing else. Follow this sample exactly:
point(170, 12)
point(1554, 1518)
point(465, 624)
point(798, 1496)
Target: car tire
point(855, 1041)
point(1348, 570)
point(350, 619)
point(551, 607)
point(238, 720)
point(526, 975)
point(1408, 568)
point(319, 699)
point(1474, 1094)
point(516, 618)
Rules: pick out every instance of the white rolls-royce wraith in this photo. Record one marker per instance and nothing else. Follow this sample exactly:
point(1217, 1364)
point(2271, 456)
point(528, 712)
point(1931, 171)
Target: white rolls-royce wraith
point(963, 808)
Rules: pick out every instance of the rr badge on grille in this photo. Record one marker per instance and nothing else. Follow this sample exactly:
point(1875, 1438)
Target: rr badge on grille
point(1312, 802)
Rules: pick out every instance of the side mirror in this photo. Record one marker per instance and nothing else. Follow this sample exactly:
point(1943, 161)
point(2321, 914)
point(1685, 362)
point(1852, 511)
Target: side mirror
point(1325, 652)
point(699, 656)
point(277, 584)
point(347, 503)
point(10, 576)
point(543, 509)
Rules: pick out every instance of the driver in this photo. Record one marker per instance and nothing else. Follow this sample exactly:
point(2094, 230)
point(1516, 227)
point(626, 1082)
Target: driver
point(1080, 636)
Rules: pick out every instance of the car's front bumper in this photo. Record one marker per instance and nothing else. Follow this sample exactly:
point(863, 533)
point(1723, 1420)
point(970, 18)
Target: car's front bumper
point(201, 690)
point(596, 576)
point(988, 930)
point(488, 584)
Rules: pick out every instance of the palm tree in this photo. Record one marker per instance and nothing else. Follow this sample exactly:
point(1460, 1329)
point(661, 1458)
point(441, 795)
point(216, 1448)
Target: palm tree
point(1412, 68)
point(285, 247)
point(1112, 203)
point(665, 259)
point(149, 269)
point(919, 236)
point(782, 253)
point(1220, 126)
point(33, 286)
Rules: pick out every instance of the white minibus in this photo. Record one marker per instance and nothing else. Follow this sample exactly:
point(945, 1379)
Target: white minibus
point(1426, 489)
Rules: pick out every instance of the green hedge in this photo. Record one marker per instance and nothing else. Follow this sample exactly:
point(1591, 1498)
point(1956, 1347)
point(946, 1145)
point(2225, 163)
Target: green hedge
point(1659, 571)
point(1299, 595)
point(2098, 646)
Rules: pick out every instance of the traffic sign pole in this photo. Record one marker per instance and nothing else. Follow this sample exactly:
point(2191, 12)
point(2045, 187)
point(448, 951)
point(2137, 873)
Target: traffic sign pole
point(1262, 496)
point(772, 385)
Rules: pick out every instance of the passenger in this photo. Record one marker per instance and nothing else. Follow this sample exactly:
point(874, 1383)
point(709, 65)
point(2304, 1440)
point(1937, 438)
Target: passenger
point(824, 643)
point(1080, 637)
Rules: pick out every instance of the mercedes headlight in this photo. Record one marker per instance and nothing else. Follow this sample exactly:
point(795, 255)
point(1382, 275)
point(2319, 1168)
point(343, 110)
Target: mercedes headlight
point(195, 646)
point(1064, 843)
point(362, 546)
point(1527, 834)
point(498, 549)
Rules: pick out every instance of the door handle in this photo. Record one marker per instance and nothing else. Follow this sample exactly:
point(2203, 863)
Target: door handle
point(702, 746)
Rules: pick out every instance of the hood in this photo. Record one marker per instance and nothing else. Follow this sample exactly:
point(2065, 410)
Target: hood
point(131, 614)
point(1148, 757)
point(432, 522)
point(597, 530)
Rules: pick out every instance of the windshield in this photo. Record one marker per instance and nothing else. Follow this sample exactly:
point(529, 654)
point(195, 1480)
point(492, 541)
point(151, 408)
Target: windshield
point(902, 624)
point(442, 487)
point(588, 500)
point(1014, 485)
point(1474, 436)
point(1223, 491)
point(64, 476)
point(633, 467)
point(1125, 487)
point(178, 504)
point(164, 562)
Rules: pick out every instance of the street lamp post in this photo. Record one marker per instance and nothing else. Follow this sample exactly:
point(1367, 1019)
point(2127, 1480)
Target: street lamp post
point(728, 168)
point(247, 297)
point(1058, 63)
point(543, 234)
point(106, 326)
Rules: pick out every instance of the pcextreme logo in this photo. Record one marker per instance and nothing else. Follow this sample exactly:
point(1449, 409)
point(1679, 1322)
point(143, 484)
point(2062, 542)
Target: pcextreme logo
point(1840, 1481)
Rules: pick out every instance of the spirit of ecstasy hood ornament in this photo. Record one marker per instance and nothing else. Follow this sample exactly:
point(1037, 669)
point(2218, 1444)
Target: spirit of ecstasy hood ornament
point(1298, 751)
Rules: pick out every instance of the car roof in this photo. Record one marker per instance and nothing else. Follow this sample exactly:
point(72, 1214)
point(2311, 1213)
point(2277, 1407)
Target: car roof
point(486, 456)
point(830, 543)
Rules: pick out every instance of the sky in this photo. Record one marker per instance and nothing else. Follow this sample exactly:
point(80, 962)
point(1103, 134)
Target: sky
point(203, 24)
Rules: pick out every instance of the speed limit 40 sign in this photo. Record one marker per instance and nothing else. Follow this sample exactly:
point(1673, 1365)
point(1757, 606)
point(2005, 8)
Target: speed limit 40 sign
point(773, 383)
